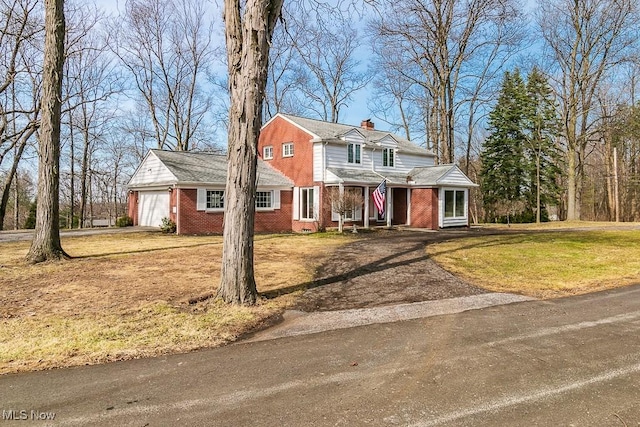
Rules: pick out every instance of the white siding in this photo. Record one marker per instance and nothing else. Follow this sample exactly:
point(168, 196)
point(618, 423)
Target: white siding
point(404, 162)
point(152, 172)
point(455, 177)
point(318, 162)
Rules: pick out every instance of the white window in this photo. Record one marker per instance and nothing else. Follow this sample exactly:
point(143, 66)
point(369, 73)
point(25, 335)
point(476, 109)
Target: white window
point(388, 157)
point(353, 153)
point(264, 199)
point(306, 203)
point(267, 152)
point(454, 204)
point(215, 199)
point(287, 149)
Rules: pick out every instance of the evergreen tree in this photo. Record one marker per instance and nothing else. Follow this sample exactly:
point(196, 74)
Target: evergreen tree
point(520, 159)
point(543, 128)
point(502, 176)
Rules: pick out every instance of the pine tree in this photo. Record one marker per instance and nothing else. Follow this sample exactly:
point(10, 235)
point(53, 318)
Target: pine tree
point(543, 128)
point(503, 177)
point(520, 159)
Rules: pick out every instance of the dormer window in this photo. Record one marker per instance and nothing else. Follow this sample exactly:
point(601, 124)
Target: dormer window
point(354, 153)
point(388, 157)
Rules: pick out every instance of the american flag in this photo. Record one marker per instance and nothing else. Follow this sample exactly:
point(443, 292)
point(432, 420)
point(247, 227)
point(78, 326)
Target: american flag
point(379, 196)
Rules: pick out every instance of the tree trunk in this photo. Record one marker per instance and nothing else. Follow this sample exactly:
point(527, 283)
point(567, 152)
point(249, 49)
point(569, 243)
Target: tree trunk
point(249, 29)
point(46, 240)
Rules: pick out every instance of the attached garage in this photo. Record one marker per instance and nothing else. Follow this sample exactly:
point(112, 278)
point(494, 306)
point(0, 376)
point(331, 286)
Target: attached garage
point(152, 207)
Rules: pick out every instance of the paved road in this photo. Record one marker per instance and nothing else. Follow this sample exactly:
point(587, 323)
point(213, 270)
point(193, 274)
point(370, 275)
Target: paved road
point(573, 361)
point(20, 235)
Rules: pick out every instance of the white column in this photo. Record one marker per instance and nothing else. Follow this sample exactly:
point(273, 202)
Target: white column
point(366, 207)
point(388, 208)
point(408, 206)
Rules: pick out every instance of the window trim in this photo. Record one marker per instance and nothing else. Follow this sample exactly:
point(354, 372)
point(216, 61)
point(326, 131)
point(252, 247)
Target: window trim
point(389, 157)
point(310, 208)
point(271, 201)
point(354, 153)
point(214, 209)
point(264, 152)
point(285, 146)
point(453, 215)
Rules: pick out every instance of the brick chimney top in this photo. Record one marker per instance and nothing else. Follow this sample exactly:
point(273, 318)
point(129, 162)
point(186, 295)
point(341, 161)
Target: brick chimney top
point(367, 124)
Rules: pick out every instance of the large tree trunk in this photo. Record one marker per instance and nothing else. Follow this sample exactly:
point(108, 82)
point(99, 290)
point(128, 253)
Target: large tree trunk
point(46, 240)
point(248, 37)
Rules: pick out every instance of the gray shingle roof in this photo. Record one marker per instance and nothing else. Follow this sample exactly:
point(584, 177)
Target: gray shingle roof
point(367, 176)
point(424, 176)
point(212, 168)
point(328, 131)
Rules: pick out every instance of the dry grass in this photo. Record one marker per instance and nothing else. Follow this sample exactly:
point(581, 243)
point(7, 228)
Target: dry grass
point(127, 296)
point(545, 264)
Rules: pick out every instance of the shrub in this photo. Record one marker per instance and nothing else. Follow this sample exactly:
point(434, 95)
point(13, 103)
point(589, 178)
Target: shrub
point(168, 226)
point(124, 221)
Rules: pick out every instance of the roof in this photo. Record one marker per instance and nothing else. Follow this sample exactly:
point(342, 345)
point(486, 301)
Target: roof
point(424, 176)
point(212, 168)
point(367, 176)
point(440, 175)
point(331, 131)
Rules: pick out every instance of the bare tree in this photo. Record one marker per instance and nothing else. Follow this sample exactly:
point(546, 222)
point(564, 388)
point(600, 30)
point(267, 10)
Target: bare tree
point(46, 239)
point(20, 34)
point(166, 45)
point(343, 201)
point(90, 82)
point(587, 39)
point(440, 39)
point(328, 51)
point(249, 27)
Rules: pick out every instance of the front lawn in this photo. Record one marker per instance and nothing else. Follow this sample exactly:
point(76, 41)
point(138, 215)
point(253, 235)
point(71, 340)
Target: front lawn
point(545, 264)
point(128, 296)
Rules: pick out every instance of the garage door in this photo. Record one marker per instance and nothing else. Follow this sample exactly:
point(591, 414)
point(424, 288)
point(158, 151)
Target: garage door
point(152, 207)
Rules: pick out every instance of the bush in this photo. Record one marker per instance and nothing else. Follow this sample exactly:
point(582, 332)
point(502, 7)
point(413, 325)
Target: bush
point(124, 221)
point(168, 226)
point(30, 223)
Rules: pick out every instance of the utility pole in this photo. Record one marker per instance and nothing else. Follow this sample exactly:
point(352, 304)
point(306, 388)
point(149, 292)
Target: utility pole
point(615, 183)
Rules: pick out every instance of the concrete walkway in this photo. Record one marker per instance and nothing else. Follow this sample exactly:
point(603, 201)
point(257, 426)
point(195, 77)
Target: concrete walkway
point(301, 323)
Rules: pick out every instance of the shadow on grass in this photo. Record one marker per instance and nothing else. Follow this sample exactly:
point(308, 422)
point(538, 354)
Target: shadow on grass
point(142, 251)
point(391, 261)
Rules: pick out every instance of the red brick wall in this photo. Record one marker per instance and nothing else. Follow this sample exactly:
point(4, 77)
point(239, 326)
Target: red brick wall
point(298, 168)
point(132, 207)
point(424, 208)
point(193, 221)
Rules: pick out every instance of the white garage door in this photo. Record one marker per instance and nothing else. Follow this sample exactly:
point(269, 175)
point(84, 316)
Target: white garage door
point(152, 207)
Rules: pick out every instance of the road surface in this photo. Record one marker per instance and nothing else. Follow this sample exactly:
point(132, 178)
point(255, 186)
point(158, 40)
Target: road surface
point(567, 362)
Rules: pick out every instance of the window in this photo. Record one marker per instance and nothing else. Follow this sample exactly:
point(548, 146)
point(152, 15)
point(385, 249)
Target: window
point(306, 203)
point(215, 199)
point(287, 149)
point(454, 204)
point(388, 157)
point(353, 153)
point(263, 199)
point(267, 152)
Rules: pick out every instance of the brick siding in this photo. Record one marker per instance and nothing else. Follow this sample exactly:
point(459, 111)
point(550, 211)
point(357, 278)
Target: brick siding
point(424, 208)
point(192, 221)
point(132, 206)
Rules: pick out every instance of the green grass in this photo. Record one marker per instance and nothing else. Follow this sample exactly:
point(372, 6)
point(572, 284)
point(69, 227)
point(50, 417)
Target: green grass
point(545, 264)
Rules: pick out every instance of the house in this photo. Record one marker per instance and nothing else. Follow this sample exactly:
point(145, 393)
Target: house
point(188, 188)
point(301, 160)
point(317, 155)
